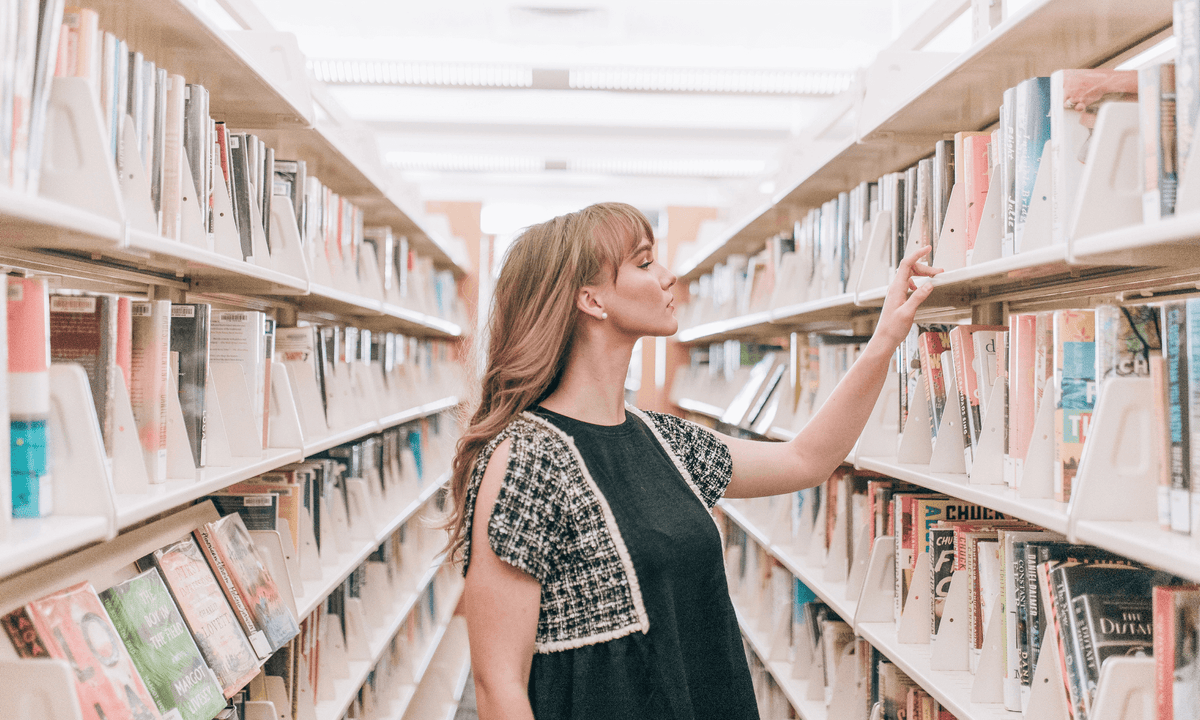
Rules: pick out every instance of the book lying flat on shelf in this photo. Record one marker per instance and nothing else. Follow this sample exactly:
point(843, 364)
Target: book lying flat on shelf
point(72, 625)
point(162, 649)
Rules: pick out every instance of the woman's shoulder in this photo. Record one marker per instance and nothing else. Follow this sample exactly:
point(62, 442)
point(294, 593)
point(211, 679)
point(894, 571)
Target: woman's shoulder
point(533, 441)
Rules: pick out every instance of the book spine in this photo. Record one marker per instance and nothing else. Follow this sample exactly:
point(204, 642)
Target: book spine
point(1156, 101)
point(977, 174)
point(231, 592)
point(1033, 131)
point(190, 339)
point(239, 171)
point(1175, 353)
point(1088, 662)
point(961, 351)
point(1187, 78)
point(1060, 615)
point(1164, 653)
point(1008, 139)
point(1192, 315)
point(24, 635)
point(1074, 392)
point(1055, 621)
point(28, 317)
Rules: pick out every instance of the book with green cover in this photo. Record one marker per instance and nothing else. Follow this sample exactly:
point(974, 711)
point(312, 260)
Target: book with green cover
point(162, 649)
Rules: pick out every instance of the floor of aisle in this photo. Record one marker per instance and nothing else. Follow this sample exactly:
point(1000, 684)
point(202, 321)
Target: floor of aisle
point(466, 706)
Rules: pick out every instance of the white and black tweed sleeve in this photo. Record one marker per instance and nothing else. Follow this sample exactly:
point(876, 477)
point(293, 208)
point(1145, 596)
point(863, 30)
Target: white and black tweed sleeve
point(702, 451)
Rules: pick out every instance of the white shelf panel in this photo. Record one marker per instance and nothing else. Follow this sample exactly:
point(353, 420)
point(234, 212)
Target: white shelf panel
point(754, 322)
point(347, 688)
point(426, 659)
point(796, 691)
point(430, 408)
point(421, 320)
point(952, 689)
point(35, 540)
point(701, 408)
point(133, 508)
point(30, 220)
point(1049, 514)
point(1174, 242)
point(1145, 542)
point(340, 437)
point(316, 590)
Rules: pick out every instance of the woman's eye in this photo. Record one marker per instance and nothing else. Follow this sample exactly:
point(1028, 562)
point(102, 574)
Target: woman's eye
point(646, 264)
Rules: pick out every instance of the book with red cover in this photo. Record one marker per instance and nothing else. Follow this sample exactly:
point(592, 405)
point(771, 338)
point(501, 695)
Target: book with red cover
point(1020, 393)
point(976, 177)
point(83, 330)
point(72, 625)
point(1176, 655)
point(932, 345)
point(251, 579)
point(207, 613)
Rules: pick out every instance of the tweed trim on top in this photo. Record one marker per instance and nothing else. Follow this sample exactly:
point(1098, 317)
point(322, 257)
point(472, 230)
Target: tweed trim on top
point(551, 521)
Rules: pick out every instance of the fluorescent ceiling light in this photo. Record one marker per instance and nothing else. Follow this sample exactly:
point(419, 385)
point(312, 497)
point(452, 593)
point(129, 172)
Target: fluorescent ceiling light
point(483, 163)
point(707, 168)
point(451, 162)
point(612, 78)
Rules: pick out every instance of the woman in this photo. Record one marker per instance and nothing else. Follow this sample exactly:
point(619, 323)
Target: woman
point(594, 578)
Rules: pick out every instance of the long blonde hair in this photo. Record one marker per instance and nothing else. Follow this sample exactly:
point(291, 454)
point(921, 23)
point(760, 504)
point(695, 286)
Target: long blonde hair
point(532, 324)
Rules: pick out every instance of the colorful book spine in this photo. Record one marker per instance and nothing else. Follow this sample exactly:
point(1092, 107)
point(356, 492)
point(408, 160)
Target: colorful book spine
point(1192, 315)
point(1186, 28)
point(1032, 128)
point(932, 345)
point(1160, 176)
point(1008, 149)
point(1175, 352)
point(28, 319)
point(162, 649)
point(1074, 392)
point(83, 330)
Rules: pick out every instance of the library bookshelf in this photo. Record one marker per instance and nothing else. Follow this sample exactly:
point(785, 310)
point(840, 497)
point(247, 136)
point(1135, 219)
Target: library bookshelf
point(902, 107)
point(87, 230)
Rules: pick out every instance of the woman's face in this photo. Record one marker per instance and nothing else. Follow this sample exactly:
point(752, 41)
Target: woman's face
point(640, 301)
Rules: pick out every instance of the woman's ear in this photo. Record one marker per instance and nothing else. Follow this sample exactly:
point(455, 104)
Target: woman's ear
point(590, 303)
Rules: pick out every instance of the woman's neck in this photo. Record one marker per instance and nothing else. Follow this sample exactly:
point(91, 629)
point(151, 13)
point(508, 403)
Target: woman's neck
point(592, 388)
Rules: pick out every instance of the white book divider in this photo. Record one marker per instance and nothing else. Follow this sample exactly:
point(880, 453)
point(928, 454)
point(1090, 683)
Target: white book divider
point(877, 711)
point(847, 701)
point(987, 468)
point(357, 647)
point(181, 465)
point(1038, 229)
point(338, 514)
point(951, 250)
point(1125, 690)
point(989, 672)
point(1110, 193)
point(77, 169)
point(378, 594)
point(269, 544)
point(362, 527)
point(369, 281)
point(916, 440)
point(914, 620)
point(278, 694)
point(802, 651)
point(291, 558)
point(1119, 466)
point(874, 265)
point(860, 561)
point(1187, 199)
point(245, 435)
point(948, 647)
point(36, 689)
point(259, 710)
point(307, 396)
point(876, 600)
point(802, 538)
point(816, 676)
point(191, 213)
point(1047, 693)
point(216, 436)
point(306, 700)
point(947, 452)
point(135, 186)
point(226, 240)
point(81, 484)
point(816, 541)
point(258, 238)
point(878, 438)
point(333, 664)
point(989, 236)
point(277, 56)
point(284, 428)
point(779, 518)
point(308, 555)
point(128, 463)
point(1036, 474)
point(287, 252)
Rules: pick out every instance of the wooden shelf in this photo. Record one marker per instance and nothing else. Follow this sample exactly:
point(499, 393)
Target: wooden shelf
point(1043, 36)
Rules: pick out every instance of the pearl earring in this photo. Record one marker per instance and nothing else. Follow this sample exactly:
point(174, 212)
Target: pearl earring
point(603, 316)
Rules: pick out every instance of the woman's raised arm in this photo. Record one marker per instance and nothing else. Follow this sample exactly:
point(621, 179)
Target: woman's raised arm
point(761, 468)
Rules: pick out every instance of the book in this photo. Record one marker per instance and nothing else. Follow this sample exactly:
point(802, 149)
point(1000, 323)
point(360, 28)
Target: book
point(1175, 353)
point(976, 180)
point(1186, 27)
point(72, 624)
point(240, 337)
point(1176, 651)
point(1107, 626)
point(1074, 392)
point(1021, 402)
point(1071, 130)
point(1032, 129)
point(1126, 337)
point(157, 640)
point(29, 397)
point(1158, 391)
point(207, 613)
point(239, 189)
point(943, 185)
point(83, 330)
point(172, 162)
point(1008, 149)
point(1192, 313)
point(150, 324)
point(190, 341)
point(232, 547)
point(1018, 664)
point(198, 139)
point(932, 345)
point(967, 384)
point(1160, 176)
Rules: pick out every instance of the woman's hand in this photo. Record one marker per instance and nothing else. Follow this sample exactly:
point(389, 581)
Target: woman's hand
point(900, 307)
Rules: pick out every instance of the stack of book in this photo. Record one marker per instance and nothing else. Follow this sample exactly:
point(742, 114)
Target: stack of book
point(187, 631)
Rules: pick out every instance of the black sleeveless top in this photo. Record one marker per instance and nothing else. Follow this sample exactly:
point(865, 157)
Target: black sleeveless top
point(691, 665)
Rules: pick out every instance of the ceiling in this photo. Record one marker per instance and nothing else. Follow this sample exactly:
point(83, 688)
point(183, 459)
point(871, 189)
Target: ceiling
point(497, 101)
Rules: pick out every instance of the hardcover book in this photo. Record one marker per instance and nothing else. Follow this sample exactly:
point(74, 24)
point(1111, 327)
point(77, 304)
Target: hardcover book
point(1008, 149)
point(932, 345)
point(150, 370)
point(207, 613)
point(1186, 27)
point(251, 580)
point(976, 179)
point(1126, 337)
point(1021, 399)
point(190, 338)
point(1177, 651)
point(1192, 315)
point(1160, 176)
point(1032, 129)
point(240, 337)
point(83, 330)
point(162, 649)
point(1105, 626)
point(1175, 354)
point(1075, 392)
point(966, 376)
point(72, 625)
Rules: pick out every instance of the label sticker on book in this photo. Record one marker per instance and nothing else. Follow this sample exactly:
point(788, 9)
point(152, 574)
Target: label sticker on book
point(83, 305)
point(232, 317)
point(183, 311)
point(257, 500)
point(16, 292)
point(139, 309)
point(259, 642)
